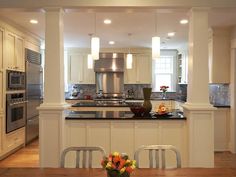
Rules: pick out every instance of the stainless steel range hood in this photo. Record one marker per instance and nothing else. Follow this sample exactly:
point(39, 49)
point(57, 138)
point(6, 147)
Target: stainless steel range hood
point(109, 71)
point(110, 62)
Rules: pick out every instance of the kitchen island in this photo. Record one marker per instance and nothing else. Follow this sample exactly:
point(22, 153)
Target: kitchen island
point(122, 131)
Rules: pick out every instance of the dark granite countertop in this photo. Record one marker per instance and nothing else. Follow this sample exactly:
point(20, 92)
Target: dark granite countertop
point(100, 104)
point(120, 115)
point(222, 106)
point(127, 99)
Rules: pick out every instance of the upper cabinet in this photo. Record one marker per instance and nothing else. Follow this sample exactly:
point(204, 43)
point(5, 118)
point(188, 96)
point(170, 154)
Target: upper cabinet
point(182, 67)
point(78, 72)
point(219, 55)
point(141, 72)
point(14, 52)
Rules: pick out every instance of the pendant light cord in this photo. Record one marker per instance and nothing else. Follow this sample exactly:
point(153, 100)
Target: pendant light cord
point(155, 23)
point(95, 23)
point(129, 35)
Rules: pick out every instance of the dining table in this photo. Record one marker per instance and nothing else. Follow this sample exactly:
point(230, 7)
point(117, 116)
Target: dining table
point(143, 172)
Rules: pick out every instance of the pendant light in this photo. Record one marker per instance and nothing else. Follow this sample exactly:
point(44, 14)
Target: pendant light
point(95, 43)
point(90, 61)
point(129, 58)
point(156, 43)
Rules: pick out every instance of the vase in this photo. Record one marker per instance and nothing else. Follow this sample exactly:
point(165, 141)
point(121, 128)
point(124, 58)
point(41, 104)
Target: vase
point(147, 103)
point(114, 173)
point(163, 95)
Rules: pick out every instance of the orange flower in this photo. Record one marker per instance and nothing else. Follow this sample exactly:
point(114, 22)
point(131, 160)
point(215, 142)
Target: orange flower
point(129, 169)
point(116, 159)
point(122, 163)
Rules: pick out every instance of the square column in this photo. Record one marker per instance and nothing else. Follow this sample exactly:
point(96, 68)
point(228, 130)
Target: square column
point(198, 110)
point(51, 112)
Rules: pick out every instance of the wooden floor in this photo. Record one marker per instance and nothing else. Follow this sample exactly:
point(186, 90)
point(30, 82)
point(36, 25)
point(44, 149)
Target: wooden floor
point(29, 157)
point(25, 157)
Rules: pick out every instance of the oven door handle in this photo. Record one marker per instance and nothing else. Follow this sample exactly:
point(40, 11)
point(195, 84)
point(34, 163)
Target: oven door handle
point(21, 102)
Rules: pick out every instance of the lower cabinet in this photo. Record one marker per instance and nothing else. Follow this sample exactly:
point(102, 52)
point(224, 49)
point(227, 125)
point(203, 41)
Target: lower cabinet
point(126, 136)
point(1, 92)
point(13, 140)
point(221, 129)
point(1, 129)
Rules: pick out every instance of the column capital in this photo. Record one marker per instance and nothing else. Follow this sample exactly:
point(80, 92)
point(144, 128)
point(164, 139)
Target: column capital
point(53, 9)
point(200, 9)
point(198, 107)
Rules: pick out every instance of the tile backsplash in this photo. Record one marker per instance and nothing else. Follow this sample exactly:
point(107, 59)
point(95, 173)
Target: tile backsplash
point(219, 94)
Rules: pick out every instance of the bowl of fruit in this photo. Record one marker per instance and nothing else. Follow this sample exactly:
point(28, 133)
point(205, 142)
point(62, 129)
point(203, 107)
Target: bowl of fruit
point(162, 109)
point(137, 109)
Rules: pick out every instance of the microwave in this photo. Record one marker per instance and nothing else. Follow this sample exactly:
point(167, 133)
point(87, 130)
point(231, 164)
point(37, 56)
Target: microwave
point(15, 80)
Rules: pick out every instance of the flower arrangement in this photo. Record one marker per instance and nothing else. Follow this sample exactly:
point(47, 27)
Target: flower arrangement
point(118, 164)
point(164, 88)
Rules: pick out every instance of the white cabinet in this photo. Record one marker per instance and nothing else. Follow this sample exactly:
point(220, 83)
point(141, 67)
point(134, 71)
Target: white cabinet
point(141, 72)
point(219, 55)
point(1, 69)
point(126, 136)
point(14, 139)
point(1, 130)
point(221, 129)
point(14, 52)
point(1, 92)
point(1, 48)
point(78, 72)
point(182, 67)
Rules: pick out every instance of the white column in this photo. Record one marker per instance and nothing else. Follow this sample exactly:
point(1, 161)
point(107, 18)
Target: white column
point(197, 109)
point(51, 112)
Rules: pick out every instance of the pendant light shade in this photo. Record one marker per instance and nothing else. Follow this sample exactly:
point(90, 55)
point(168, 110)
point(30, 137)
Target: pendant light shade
point(90, 61)
point(129, 61)
point(156, 43)
point(156, 47)
point(129, 58)
point(95, 45)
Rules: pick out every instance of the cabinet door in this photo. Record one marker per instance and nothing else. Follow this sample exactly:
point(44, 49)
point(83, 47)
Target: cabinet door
point(131, 74)
point(89, 74)
point(1, 48)
point(75, 65)
point(1, 130)
point(221, 129)
point(1, 91)
point(144, 72)
point(10, 51)
point(19, 52)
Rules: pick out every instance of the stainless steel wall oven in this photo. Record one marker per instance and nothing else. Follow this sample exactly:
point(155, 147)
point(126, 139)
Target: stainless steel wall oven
point(15, 111)
point(15, 80)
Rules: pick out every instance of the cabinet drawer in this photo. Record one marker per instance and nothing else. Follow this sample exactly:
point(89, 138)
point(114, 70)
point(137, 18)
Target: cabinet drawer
point(15, 139)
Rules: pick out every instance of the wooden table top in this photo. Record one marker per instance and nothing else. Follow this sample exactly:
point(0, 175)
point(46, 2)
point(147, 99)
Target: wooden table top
point(66, 172)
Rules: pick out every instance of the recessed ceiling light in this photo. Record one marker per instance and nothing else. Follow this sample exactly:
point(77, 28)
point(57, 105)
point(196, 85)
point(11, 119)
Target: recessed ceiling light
point(33, 21)
point(183, 21)
point(111, 42)
point(170, 34)
point(107, 21)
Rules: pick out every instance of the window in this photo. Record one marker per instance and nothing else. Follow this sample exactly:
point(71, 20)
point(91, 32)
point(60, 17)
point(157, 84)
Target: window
point(164, 73)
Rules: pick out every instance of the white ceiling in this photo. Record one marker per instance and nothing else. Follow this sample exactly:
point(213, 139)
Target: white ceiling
point(140, 22)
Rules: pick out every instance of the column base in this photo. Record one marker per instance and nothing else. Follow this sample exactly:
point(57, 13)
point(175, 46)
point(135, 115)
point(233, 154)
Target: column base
point(200, 125)
point(51, 133)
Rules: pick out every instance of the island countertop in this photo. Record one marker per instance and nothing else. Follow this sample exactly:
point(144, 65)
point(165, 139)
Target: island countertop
point(121, 115)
